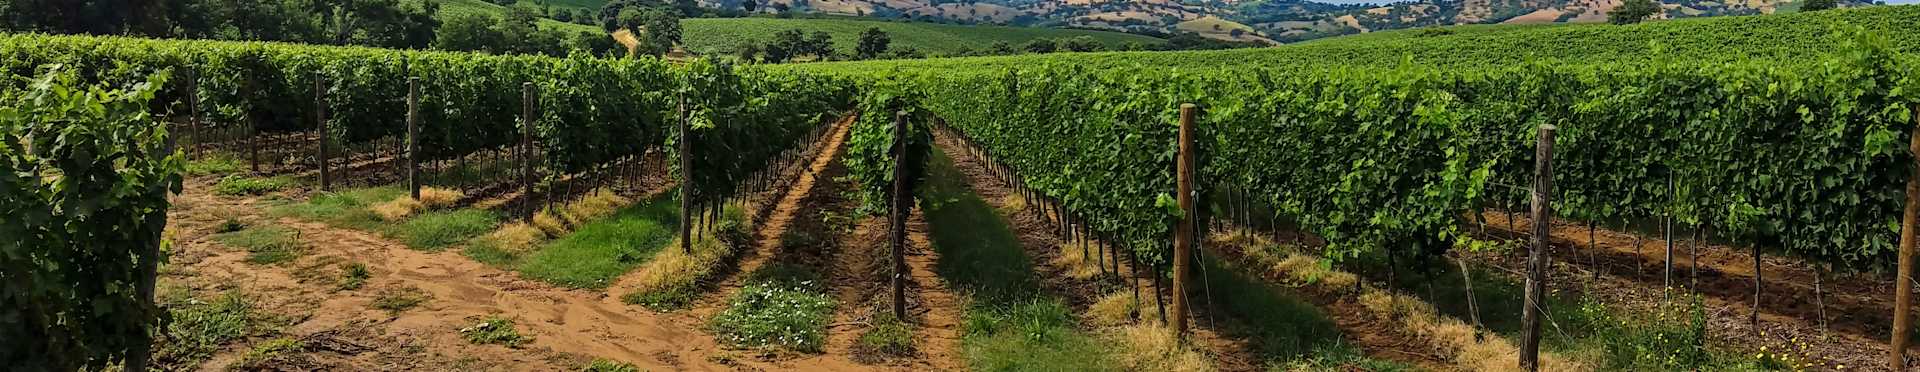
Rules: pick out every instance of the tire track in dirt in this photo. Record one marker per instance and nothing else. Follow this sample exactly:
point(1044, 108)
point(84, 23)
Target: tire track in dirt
point(1037, 235)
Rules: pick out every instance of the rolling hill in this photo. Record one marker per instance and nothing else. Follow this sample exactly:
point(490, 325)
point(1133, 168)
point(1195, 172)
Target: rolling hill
point(712, 36)
point(1785, 39)
point(1280, 20)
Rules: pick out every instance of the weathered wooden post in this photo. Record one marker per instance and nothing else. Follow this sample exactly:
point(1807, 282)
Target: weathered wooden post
point(193, 112)
point(526, 146)
point(898, 215)
point(1537, 258)
point(686, 181)
point(1903, 294)
point(413, 137)
point(1183, 233)
point(320, 121)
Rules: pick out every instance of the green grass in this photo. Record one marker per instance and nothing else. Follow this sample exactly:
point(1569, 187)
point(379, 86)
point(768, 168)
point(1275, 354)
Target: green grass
point(432, 230)
point(439, 229)
point(213, 164)
point(1783, 38)
point(451, 8)
point(353, 276)
point(495, 330)
point(604, 365)
point(396, 300)
point(266, 352)
point(238, 185)
point(721, 36)
point(201, 328)
point(1285, 329)
point(1011, 325)
point(347, 209)
point(593, 255)
point(782, 307)
point(265, 245)
point(888, 336)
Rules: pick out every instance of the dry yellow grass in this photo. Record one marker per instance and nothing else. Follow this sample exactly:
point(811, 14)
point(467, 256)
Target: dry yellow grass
point(516, 237)
point(397, 209)
point(1114, 309)
point(1078, 264)
point(674, 268)
point(1460, 344)
point(595, 205)
point(551, 222)
point(439, 198)
point(1152, 347)
point(1013, 202)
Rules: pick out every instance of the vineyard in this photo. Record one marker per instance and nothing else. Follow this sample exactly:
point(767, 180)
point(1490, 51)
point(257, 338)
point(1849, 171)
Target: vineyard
point(1706, 194)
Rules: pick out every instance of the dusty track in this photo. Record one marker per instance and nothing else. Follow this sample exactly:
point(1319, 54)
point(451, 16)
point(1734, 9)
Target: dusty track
point(344, 332)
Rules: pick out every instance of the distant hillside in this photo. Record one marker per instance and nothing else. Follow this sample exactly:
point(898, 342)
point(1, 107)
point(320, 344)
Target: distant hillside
point(1781, 39)
point(449, 8)
point(1281, 20)
point(724, 35)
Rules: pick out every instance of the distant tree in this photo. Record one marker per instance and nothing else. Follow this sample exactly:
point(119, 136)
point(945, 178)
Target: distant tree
point(747, 52)
point(663, 30)
point(1818, 5)
point(750, 5)
point(820, 45)
point(1038, 46)
point(1633, 11)
point(470, 32)
point(872, 43)
point(785, 45)
point(1001, 48)
point(596, 44)
point(908, 52)
point(1236, 33)
point(1080, 43)
point(563, 15)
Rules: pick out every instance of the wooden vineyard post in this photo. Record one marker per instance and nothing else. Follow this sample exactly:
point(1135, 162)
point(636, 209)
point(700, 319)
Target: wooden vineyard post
point(413, 136)
point(526, 146)
point(320, 121)
point(1183, 233)
point(898, 215)
point(1537, 258)
point(686, 182)
point(1903, 294)
point(193, 111)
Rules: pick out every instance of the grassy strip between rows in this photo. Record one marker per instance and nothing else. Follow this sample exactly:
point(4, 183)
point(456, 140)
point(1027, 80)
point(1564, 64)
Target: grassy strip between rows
point(1586, 335)
point(425, 224)
point(782, 307)
point(671, 280)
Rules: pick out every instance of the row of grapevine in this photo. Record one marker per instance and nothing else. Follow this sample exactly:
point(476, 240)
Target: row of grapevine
point(85, 189)
point(741, 122)
point(1392, 160)
point(590, 110)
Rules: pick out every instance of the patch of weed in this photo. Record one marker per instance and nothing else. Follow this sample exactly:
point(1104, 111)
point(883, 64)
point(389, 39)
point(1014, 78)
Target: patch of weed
point(238, 185)
point(266, 352)
point(766, 314)
point(214, 164)
point(604, 365)
point(198, 329)
point(265, 245)
point(440, 229)
point(395, 300)
point(495, 330)
point(354, 275)
point(888, 336)
point(594, 254)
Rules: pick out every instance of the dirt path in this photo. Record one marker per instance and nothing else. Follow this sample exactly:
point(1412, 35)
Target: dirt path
point(772, 230)
point(1789, 314)
point(344, 332)
point(1039, 237)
